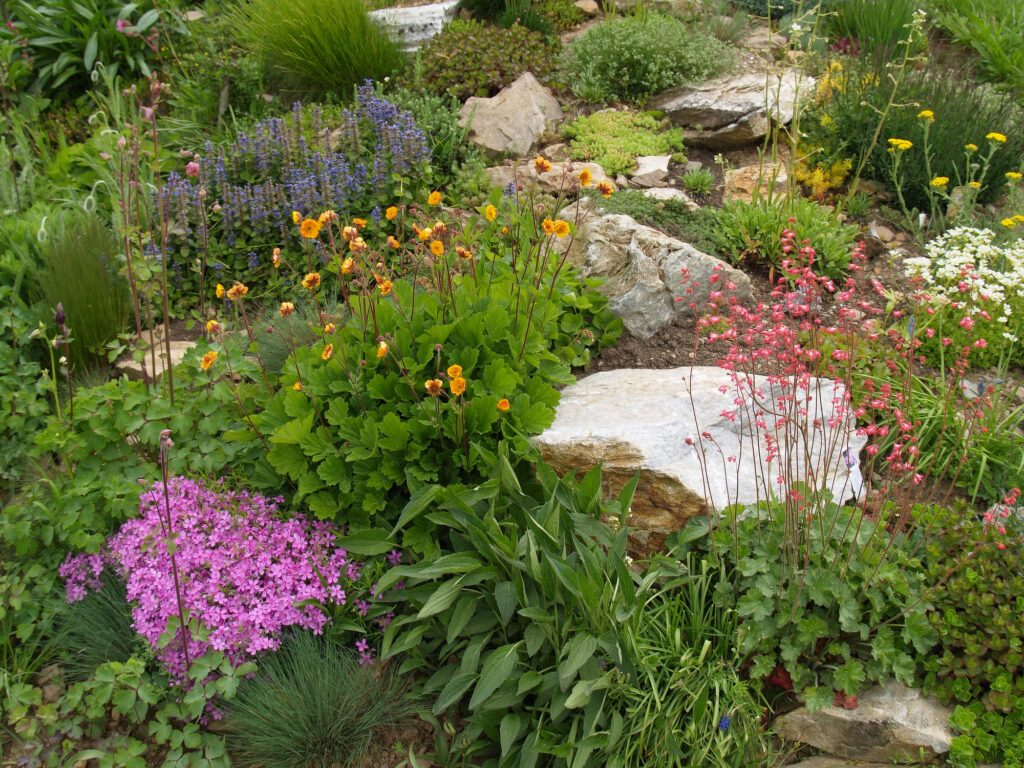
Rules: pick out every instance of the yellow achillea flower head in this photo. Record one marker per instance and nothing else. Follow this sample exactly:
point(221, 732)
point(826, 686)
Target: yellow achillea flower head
point(490, 213)
point(503, 404)
point(605, 188)
point(1013, 175)
point(328, 352)
point(311, 281)
point(433, 387)
point(391, 213)
point(208, 360)
point(939, 181)
point(586, 177)
point(435, 198)
point(309, 229)
point(561, 228)
point(382, 349)
point(927, 114)
point(458, 385)
point(998, 137)
point(541, 164)
point(1008, 223)
point(437, 248)
point(901, 144)
point(1019, 218)
point(974, 184)
point(286, 309)
point(971, 148)
point(454, 371)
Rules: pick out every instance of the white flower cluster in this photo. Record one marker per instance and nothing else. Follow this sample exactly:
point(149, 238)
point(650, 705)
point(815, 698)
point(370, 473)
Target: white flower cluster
point(963, 266)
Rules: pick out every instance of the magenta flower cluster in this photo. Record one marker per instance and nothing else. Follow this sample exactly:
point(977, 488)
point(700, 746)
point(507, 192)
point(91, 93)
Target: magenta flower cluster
point(242, 569)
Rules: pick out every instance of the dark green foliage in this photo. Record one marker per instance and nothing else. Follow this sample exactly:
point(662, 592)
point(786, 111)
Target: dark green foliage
point(994, 29)
point(978, 599)
point(750, 233)
point(525, 12)
point(637, 56)
point(471, 59)
point(316, 48)
point(848, 616)
point(878, 26)
point(95, 630)
point(776, 9)
point(438, 118)
point(964, 113)
point(562, 14)
point(311, 705)
point(670, 216)
point(81, 270)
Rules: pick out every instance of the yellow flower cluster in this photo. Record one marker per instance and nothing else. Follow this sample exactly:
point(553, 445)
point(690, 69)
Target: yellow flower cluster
point(901, 144)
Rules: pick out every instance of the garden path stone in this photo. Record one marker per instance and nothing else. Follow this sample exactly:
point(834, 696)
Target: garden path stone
point(411, 27)
point(735, 110)
point(642, 268)
point(651, 170)
point(756, 181)
point(514, 119)
point(133, 369)
point(637, 421)
point(891, 722)
point(561, 174)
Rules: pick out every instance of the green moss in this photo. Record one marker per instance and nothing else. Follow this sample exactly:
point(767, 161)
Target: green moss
point(614, 139)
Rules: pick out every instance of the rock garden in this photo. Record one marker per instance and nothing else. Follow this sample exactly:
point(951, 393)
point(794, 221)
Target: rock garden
point(511, 383)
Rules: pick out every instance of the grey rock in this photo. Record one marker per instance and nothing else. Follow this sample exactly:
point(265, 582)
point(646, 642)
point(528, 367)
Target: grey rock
point(642, 268)
point(735, 110)
point(411, 27)
point(133, 368)
point(756, 181)
point(589, 7)
point(651, 170)
point(671, 193)
point(514, 119)
point(562, 176)
point(693, 165)
point(638, 421)
point(891, 722)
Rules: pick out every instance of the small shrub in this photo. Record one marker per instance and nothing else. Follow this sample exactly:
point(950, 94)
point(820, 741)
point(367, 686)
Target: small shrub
point(81, 270)
point(438, 118)
point(614, 139)
point(877, 26)
point(750, 233)
point(316, 48)
point(471, 59)
point(994, 30)
point(562, 14)
point(335, 706)
point(637, 56)
point(670, 216)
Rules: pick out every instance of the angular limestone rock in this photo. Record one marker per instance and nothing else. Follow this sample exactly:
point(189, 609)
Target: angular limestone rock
point(514, 119)
point(411, 27)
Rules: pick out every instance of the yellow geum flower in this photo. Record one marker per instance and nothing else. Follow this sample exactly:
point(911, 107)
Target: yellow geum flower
point(435, 198)
point(208, 360)
point(297, 386)
point(454, 371)
point(286, 309)
point(541, 164)
point(220, 291)
point(359, 223)
point(346, 265)
point(490, 213)
point(463, 253)
point(927, 114)
point(275, 258)
point(503, 404)
point(995, 137)
point(385, 287)
point(393, 243)
point(458, 385)
point(382, 349)
point(1019, 218)
point(939, 181)
point(309, 229)
point(605, 188)
point(236, 291)
point(437, 248)
point(433, 387)
point(311, 281)
point(548, 226)
point(296, 217)
point(586, 177)
point(425, 234)
point(561, 228)
point(329, 329)
point(212, 326)
point(328, 352)
point(391, 213)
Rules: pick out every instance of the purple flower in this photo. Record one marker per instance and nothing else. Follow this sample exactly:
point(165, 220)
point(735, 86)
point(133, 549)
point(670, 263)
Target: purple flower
point(394, 557)
point(724, 723)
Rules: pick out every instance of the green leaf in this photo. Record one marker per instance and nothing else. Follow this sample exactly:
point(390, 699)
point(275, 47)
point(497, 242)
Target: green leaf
point(416, 505)
point(441, 598)
point(816, 697)
point(496, 670)
point(453, 691)
point(580, 649)
point(90, 52)
point(505, 597)
point(367, 542)
point(509, 730)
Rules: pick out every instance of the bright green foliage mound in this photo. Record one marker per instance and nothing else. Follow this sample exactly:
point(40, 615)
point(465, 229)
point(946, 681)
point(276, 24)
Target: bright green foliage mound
point(471, 59)
point(614, 139)
point(313, 48)
point(634, 57)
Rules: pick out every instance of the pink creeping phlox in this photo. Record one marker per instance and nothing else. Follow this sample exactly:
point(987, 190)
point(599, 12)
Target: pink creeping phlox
point(242, 570)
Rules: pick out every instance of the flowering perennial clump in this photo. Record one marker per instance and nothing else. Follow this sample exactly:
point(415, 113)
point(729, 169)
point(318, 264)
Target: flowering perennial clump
point(242, 571)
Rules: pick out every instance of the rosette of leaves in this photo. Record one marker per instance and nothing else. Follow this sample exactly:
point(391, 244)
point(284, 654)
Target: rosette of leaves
point(850, 615)
point(471, 59)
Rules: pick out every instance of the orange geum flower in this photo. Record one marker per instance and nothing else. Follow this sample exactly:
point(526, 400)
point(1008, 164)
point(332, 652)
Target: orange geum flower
point(425, 234)
point(463, 252)
point(297, 386)
point(220, 291)
point(385, 287)
point(605, 188)
point(561, 228)
point(311, 281)
point(347, 232)
point(296, 217)
point(346, 265)
point(275, 258)
point(548, 226)
point(357, 245)
point(503, 404)
point(393, 242)
point(454, 371)
point(433, 387)
point(326, 217)
point(328, 352)
point(541, 164)
point(382, 349)
point(212, 326)
point(309, 229)
point(490, 213)
point(358, 222)
point(439, 228)
point(435, 198)
point(458, 385)
point(208, 360)
point(286, 309)
point(437, 248)
point(236, 291)
point(329, 329)
point(586, 177)
point(391, 213)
